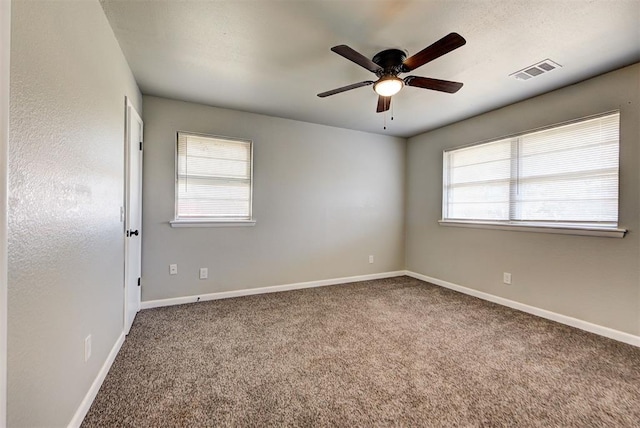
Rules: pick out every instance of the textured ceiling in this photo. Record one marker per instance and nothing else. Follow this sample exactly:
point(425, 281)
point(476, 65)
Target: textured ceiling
point(273, 57)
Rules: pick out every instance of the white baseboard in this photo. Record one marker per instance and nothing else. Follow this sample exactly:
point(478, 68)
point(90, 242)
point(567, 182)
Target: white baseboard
point(543, 313)
point(95, 386)
point(262, 290)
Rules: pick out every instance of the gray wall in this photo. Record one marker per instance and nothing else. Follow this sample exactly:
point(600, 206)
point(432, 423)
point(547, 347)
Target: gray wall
point(324, 200)
point(5, 48)
point(589, 278)
point(68, 85)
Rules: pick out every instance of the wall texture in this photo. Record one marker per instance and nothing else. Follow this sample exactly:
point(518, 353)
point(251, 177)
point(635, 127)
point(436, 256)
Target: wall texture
point(324, 200)
point(5, 48)
point(589, 278)
point(69, 80)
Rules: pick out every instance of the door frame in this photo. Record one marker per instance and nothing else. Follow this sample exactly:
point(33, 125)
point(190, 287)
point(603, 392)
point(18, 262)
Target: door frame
point(130, 112)
point(5, 53)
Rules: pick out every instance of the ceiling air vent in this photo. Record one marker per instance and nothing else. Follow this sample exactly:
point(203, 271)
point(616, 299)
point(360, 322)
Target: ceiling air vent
point(535, 70)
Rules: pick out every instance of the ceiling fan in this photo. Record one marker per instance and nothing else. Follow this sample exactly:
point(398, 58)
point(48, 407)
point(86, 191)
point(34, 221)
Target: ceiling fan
point(391, 62)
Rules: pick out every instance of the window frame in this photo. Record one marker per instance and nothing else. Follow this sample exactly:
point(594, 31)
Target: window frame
point(212, 221)
point(570, 228)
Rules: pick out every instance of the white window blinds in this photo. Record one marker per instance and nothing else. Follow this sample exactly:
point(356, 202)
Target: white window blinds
point(478, 181)
point(213, 178)
point(566, 175)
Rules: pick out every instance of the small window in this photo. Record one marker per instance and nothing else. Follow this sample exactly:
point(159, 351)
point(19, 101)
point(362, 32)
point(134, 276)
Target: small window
point(213, 178)
point(562, 176)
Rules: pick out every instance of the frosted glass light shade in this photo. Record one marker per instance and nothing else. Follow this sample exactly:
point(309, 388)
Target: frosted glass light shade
point(388, 86)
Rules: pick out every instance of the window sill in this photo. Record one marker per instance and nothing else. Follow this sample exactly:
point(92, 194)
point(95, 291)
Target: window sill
point(212, 223)
point(539, 228)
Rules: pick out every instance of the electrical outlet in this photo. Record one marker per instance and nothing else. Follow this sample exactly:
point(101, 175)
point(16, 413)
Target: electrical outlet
point(370, 259)
point(204, 273)
point(173, 269)
point(506, 278)
point(87, 348)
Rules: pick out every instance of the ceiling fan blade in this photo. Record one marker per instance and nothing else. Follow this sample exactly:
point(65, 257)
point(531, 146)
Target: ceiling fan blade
point(357, 57)
point(345, 88)
point(434, 84)
point(383, 104)
point(445, 45)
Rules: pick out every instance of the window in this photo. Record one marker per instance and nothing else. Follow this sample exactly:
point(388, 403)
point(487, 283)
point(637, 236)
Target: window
point(213, 179)
point(564, 176)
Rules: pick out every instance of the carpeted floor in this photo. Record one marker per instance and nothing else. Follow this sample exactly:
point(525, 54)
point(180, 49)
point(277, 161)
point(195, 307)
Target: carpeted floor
point(392, 352)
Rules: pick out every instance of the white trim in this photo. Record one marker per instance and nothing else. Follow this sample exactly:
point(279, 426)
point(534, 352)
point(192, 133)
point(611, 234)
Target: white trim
point(543, 313)
point(5, 53)
point(563, 230)
point(211, 223)
point(262, 290)
point(84, 407)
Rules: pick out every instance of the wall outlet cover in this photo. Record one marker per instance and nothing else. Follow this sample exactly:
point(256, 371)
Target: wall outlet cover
point(87, 348)
point(204, 273)
point(506, 278)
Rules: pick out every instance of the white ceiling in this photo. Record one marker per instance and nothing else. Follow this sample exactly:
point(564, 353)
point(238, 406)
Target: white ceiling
point(273, 56)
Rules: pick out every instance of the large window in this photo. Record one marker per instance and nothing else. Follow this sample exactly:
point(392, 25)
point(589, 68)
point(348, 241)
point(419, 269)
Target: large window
point(213, 179)
point(562, 176)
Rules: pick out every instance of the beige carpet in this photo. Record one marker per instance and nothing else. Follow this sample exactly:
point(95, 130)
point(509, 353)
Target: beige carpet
point(393, 352)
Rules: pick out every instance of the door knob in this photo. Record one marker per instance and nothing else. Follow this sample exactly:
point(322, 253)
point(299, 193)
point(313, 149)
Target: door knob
point(132, 232)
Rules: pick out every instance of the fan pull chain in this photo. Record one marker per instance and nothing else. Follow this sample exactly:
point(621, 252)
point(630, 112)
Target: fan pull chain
point(386, 108)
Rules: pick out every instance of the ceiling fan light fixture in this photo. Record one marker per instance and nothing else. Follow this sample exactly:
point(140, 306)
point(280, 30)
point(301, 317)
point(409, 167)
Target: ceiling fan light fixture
point(387, 64)
point(388, 86)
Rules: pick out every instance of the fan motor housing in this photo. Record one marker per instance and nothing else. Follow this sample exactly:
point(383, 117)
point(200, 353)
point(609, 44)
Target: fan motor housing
point(390, 60)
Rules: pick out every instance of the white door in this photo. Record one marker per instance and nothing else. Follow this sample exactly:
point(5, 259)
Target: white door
point(133, 216)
